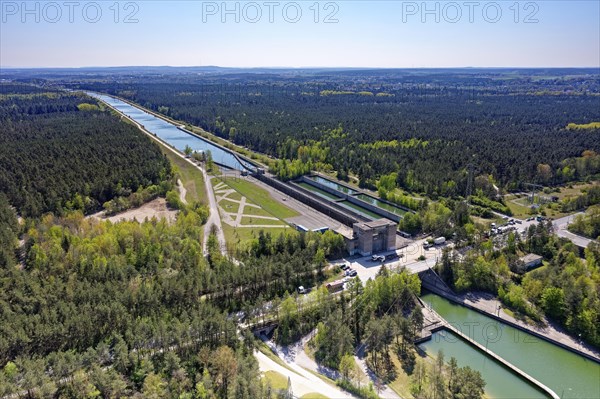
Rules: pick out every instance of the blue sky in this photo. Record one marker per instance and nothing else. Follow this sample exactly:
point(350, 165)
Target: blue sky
point(358, 33)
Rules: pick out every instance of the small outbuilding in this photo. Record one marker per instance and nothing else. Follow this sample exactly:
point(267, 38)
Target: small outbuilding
point(531, 261)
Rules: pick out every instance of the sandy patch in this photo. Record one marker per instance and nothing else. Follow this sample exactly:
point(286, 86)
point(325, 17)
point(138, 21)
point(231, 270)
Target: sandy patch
point(155, 208)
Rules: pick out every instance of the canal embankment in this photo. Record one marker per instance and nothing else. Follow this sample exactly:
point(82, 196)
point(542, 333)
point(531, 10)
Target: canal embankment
point(492, 308)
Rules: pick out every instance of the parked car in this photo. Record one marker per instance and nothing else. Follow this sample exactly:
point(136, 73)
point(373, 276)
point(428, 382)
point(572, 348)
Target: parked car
point(344, 266)
point(353, 273)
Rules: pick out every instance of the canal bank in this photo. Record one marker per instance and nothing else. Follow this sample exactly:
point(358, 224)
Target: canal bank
point(176, 136)
point(569, 375)
point(181, 126)
point(213, 218)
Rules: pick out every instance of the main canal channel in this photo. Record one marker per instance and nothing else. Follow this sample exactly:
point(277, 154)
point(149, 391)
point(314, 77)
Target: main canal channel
point(169, 132)
point(569, 375)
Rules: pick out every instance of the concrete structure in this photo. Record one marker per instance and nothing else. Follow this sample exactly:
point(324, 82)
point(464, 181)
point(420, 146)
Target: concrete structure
point(531, 261)
point(370, 237)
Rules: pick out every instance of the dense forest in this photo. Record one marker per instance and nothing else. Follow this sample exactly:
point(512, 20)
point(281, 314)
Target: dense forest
point(426, 129)
point(115, 309)
point(61, 151)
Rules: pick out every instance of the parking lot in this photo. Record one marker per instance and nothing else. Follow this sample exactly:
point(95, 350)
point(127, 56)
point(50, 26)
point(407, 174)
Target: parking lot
point(408, 257)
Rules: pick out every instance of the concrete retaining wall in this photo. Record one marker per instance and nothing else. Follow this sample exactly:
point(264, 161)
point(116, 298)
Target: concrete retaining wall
point(373, 208)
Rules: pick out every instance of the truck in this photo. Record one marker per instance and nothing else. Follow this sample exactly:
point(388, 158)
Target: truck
point(335, 285)
point(439, 240)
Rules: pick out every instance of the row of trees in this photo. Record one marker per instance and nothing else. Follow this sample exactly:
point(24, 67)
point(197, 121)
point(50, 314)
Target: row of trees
point(587, 224)
point(441, 380)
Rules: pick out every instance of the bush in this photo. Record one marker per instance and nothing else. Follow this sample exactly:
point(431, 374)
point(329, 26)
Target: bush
point(173, 200)
point(365, 392)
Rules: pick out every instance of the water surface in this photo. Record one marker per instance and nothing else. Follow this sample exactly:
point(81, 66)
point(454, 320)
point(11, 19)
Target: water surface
point(568, 374)
point(170, 133)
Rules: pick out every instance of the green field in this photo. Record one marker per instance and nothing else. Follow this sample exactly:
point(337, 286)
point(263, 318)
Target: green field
point(278, 381)
point(249, 220)
point(229, 206)
point(256, 196)
point(518, 206)
point(260, 197)
point(313, 395)
point(190, 176)
point(254, 211)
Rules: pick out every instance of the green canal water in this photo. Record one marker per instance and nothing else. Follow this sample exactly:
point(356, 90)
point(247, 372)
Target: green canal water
point(359, 209)
point(500, 382)
point(569, 375)
point(380, 204)
point(318, 191)
point(333, 185)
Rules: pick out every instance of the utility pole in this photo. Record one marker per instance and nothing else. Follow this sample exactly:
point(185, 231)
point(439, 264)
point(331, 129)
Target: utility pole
point(533, 190)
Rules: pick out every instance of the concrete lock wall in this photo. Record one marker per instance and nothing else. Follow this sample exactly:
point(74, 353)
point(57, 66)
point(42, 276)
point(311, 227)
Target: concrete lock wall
point(344, 216)
point(323, 187)
point(352, 198)
point(373, 208)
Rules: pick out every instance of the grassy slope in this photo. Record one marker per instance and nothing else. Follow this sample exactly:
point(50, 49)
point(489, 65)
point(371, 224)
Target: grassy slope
point(260, 197)
point(191, 177)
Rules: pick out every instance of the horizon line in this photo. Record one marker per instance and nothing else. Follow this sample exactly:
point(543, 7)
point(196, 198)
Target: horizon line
point(298, 67)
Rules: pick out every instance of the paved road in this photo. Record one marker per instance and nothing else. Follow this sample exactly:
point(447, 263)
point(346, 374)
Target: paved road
point(303, 382)
point(213, 217)
point(560, 229)
point(367, 269)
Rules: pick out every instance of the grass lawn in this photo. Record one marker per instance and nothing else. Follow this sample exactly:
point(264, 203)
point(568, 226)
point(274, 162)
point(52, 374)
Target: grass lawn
point(517, 206)
point(234, 196)
point(241, 235)
point(277, 380)
point(260, 197)
point(249, 220)
point(229, 206)
point(401, 385)
point(190, 176)
point(314, 395)
point(252, 210)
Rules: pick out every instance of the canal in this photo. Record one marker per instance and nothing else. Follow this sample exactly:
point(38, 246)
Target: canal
point(381, 204)
point(170, 133)
point(359, 209)
point(318, 191)
point(569, 375)
point(335, 186)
